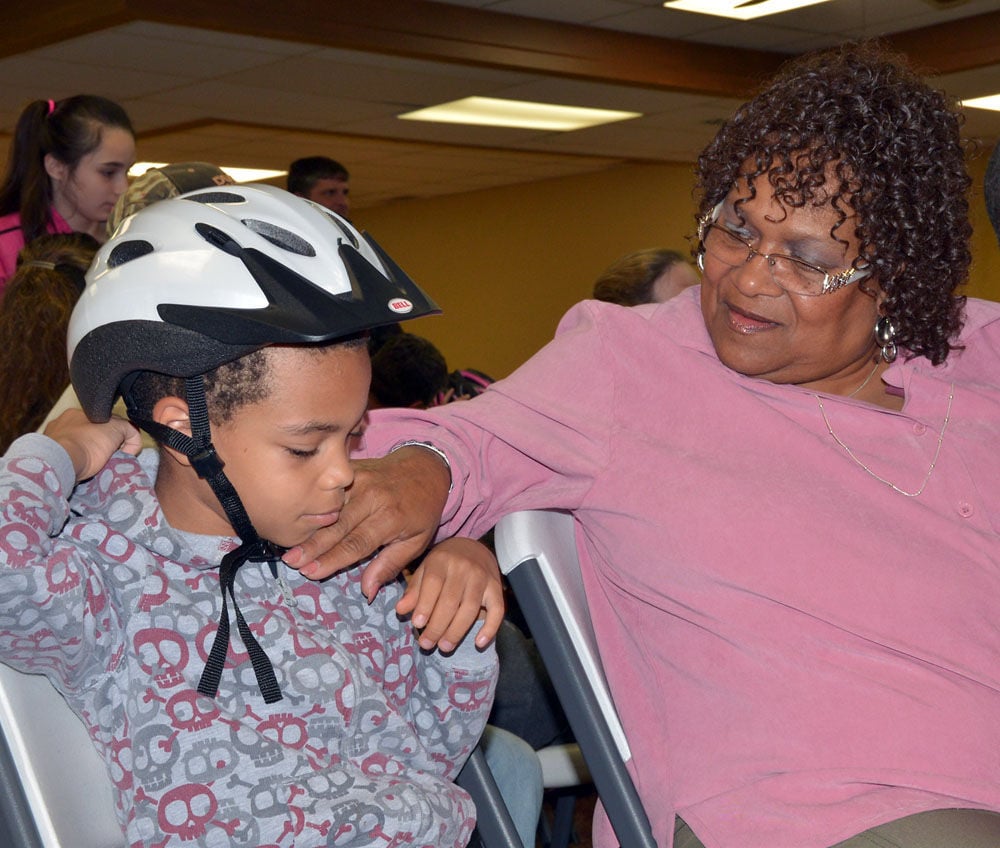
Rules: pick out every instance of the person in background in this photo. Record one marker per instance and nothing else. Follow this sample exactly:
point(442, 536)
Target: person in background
point(465, 384)
point(646, 276)
point(380, 335)
point(784, 483)
point(162, 183)
point(407, 371)
point(34, 313)
point(322, 180)
point(67, 167)
point(991, 189)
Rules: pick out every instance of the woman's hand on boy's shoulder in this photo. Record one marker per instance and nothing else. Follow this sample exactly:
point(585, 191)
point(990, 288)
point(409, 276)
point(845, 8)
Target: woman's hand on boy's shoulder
point(457, 583)
point(91, 445)
point(394, 508)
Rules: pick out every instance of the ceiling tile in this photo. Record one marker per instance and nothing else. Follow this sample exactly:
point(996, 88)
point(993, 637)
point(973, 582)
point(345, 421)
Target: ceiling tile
point(248, 100)
point(124, 49)
point(401, 88)
point(31, 77)
point(212, 38)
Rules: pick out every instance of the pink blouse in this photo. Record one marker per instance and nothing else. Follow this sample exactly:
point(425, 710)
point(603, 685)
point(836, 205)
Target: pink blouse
point(798, 651)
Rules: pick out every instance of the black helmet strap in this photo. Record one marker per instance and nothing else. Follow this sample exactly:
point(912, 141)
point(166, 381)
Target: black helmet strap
point(206, 462)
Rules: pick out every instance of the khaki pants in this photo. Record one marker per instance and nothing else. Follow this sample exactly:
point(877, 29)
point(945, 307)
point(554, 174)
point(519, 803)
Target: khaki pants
point(934, 829)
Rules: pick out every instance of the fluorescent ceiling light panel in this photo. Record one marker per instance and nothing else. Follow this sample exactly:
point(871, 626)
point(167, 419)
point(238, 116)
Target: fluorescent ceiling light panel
point(991, 101)
point(742, 10)
point(140, 168)
point(493, 112)
point(240, 175)
point(249, 175)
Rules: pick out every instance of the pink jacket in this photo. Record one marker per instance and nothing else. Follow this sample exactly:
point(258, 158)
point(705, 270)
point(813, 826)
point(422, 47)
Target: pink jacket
point(798, 651)
point(12, 240)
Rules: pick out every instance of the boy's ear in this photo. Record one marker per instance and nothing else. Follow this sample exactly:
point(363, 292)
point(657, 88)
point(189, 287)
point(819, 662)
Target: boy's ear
point(172, 411)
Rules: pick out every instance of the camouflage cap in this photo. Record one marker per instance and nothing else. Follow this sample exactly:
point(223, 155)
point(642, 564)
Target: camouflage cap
point(162, 183)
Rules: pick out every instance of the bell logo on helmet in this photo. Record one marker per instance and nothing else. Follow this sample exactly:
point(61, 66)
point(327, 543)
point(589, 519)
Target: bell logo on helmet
point(400, 305)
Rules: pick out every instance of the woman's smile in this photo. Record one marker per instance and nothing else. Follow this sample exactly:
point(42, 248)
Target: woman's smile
point(748, 323)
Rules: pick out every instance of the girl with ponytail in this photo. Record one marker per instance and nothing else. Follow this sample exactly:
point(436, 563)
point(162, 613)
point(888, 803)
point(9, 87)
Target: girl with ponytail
point(66, 168)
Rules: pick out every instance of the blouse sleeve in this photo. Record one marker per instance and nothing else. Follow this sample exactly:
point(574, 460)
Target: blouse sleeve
point(537, 439)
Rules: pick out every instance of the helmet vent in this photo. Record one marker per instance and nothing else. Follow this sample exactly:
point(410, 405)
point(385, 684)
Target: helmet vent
point(126, 251)
point(345, 230)
point(217, 197)
point(280, 237)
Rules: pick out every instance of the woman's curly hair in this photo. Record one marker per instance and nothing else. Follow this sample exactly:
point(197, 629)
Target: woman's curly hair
point(893, 147)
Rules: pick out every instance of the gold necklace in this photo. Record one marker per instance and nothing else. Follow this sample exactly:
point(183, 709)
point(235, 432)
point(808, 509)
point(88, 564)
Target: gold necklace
point(889, 483)
point(867, 379)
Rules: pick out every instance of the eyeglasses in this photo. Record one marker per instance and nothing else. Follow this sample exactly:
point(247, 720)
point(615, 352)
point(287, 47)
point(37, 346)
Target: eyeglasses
point(795, 276)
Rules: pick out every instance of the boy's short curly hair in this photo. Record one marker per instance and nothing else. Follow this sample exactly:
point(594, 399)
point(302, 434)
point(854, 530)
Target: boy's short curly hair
point(893, 147)
point(228, 388)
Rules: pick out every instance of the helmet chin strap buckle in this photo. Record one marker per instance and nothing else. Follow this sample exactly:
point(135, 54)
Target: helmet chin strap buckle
point(263, 550)
point(206, 462)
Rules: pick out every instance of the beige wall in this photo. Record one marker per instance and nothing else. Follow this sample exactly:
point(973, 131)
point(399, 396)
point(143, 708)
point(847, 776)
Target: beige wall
point(505, 263)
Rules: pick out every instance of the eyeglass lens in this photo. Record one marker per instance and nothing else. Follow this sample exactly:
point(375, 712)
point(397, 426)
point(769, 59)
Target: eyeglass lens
point(787, 272)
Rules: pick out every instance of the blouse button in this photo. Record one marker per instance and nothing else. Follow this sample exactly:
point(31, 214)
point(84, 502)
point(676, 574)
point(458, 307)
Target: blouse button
point(965, 509)
point(919, 429)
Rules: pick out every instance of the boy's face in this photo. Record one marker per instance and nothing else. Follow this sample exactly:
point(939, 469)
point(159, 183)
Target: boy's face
point(287, 455)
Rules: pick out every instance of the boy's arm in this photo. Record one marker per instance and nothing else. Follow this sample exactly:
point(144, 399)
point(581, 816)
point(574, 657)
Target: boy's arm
point(89, 445)
point(47, 596)
point(445, 697)
point(457, 690)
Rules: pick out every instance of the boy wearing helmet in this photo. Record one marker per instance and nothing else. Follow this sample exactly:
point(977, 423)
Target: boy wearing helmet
point(232, 321)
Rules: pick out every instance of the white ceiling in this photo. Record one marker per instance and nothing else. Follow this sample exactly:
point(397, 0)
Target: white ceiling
point(242, 89)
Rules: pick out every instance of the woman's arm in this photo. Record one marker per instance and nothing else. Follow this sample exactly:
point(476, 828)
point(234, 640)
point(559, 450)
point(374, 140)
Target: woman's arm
point(537, 439)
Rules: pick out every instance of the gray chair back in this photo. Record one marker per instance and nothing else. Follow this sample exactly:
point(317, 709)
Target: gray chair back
point(538, 554)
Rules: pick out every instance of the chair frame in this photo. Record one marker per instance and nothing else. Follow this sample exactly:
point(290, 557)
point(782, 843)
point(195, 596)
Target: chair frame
point(57, 792)
point(17, 825)
point(537, 552)
point(494, 824)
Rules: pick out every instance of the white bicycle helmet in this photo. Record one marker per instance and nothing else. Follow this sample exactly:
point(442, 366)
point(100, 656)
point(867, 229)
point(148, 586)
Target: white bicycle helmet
point(190, 283)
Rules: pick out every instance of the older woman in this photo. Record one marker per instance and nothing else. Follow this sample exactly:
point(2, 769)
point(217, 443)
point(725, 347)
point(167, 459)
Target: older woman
point(786, 499)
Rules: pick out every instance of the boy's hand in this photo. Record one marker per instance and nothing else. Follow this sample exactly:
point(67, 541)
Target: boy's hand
point(91, 445)
point(456, 584)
